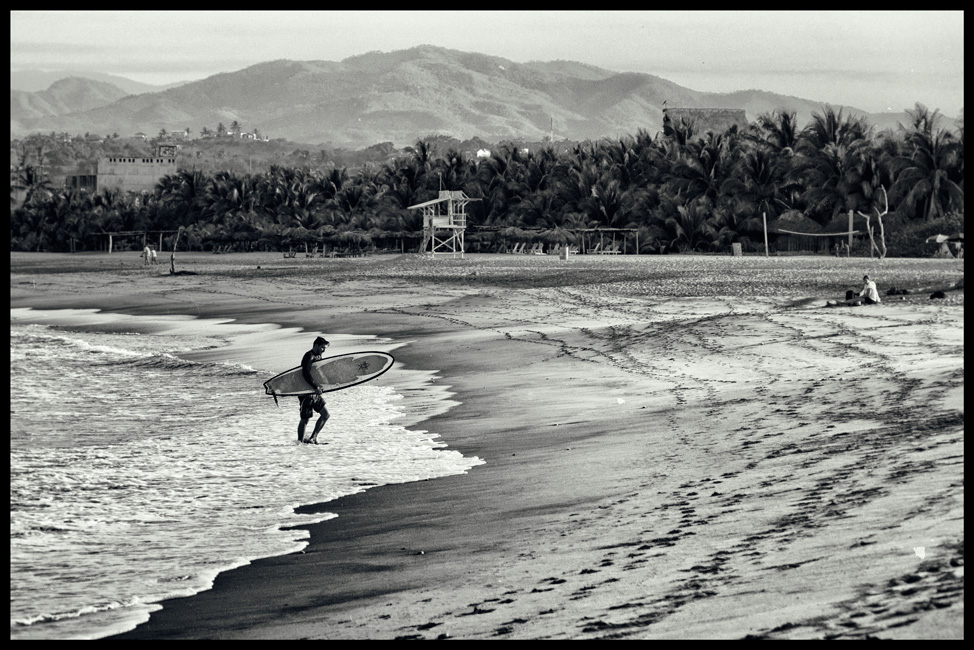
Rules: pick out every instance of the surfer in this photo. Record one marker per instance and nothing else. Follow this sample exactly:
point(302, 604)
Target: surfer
point(314, 401)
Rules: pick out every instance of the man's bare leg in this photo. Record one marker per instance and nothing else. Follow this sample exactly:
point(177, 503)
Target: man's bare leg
point(319, 425)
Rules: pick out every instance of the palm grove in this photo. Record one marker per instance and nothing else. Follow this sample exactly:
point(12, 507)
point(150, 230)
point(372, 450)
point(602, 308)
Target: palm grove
point(681, 190)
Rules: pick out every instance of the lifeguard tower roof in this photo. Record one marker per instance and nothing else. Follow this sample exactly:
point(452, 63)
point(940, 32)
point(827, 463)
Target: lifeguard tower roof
point(445, 195)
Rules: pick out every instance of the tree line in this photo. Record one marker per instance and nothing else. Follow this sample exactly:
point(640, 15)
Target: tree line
point(682, 190)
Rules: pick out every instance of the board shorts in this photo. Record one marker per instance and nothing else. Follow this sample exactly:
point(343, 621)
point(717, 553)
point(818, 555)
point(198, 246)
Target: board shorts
point(310, 404)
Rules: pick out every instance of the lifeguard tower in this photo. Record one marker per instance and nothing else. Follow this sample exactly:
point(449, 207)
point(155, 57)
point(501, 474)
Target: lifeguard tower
point(444, 222)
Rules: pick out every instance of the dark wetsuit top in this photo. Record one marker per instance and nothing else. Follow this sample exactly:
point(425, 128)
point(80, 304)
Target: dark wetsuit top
point(313, 402)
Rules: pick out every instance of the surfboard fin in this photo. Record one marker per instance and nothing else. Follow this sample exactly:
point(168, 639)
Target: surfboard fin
point(274, 395)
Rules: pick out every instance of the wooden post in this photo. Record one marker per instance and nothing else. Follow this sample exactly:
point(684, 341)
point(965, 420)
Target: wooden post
point(764, 218)
point(849, 249)
point(172, 256)
point(109, 243)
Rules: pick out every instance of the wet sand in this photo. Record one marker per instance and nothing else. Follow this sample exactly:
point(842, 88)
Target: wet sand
point(675, 447)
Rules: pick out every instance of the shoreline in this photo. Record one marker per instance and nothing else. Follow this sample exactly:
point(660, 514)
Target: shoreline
point(240, 343)
point(596, 447)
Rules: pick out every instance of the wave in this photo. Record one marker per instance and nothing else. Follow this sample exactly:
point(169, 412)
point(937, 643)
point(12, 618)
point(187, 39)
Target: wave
point(126, 352)
point(88, 609)
point(166, 361)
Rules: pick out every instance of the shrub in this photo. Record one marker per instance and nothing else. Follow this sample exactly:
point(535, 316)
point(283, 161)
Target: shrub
point(911, 239)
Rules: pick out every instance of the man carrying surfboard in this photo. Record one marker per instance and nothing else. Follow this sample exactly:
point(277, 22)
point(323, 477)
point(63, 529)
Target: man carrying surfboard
point(314, 401)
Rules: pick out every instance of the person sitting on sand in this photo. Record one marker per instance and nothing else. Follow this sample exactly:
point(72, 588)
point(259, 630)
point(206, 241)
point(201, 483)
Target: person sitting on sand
point(314, 401)
point(869, 292)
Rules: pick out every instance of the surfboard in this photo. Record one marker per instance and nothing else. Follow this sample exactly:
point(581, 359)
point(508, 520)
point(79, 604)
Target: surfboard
point(332, 373)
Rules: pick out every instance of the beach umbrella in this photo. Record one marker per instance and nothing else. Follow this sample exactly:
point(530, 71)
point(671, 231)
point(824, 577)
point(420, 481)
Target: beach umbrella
point(558, 235)
point(513, 233)
point(354, 238)
point(298, 235)
point(324, 231)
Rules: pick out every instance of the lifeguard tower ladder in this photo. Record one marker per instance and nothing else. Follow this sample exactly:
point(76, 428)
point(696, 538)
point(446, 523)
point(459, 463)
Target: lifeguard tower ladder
point(444, 222)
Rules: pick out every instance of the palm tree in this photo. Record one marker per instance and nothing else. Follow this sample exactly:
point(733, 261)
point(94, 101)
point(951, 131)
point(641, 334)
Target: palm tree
point(499, 181)
point(703, 168)
point(183, 193)
point(354, 199)
point(922, 121)
point(77, 225)
point(924, 187)
point(29, 177)
point(400, 180)
point(692, 228)
point(755, 189)
point(421, 155)
point(829, 128)
point(825, 177)
point(228, 195)
point(576, 188)
point(32, 180)
point(779, 130)
point(828, 165)
point(451, 170)
point(611, 206)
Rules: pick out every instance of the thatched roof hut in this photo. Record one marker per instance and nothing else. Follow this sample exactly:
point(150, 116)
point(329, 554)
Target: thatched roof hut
point(702, 120)
point(794, 221)
point(797, 233)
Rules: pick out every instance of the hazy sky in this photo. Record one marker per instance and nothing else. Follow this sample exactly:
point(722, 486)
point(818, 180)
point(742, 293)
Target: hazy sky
point(873, 60)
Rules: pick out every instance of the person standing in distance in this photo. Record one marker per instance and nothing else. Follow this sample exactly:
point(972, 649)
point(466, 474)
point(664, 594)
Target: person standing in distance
point(314, 401)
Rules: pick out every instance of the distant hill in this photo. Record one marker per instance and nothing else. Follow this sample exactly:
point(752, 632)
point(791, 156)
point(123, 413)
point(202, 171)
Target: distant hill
point(64, 96)
point(405, 95)
point(37, 80)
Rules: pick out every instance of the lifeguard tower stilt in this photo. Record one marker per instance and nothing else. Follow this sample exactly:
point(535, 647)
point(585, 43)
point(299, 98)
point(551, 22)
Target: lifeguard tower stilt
point(444, 222)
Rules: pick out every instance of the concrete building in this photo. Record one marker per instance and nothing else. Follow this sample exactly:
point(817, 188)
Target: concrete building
point(128, 174)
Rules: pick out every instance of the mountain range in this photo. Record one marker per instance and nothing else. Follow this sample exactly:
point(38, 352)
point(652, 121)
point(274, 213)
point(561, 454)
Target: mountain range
point(397, 97)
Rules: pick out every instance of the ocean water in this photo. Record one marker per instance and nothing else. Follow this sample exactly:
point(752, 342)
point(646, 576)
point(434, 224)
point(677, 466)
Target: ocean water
point(138, 474)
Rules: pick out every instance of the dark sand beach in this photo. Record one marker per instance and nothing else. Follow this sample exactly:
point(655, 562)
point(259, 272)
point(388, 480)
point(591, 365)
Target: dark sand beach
point(674, 447)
